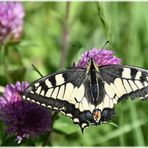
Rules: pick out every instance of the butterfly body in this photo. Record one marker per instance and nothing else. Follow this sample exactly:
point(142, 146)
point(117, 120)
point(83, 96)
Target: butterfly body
point(88, 95)
point(95, 85)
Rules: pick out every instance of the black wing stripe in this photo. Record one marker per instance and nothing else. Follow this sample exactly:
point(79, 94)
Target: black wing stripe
point(135, 74)
point(52, 80)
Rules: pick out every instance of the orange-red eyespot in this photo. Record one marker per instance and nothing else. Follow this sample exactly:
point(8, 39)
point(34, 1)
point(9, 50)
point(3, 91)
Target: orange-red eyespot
point(97, 115)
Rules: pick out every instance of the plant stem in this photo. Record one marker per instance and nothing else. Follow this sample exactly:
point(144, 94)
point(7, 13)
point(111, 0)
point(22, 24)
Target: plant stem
point(65, 40)
point(4, 60)
point(4, 49)
point(102, 20)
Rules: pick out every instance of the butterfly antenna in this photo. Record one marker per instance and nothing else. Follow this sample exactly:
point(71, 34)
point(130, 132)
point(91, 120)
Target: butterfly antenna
point(102, 48)
point(105, 44)
point(35, 69)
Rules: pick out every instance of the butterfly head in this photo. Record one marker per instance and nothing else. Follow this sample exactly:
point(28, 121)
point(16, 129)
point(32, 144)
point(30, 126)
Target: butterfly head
point(92, 65)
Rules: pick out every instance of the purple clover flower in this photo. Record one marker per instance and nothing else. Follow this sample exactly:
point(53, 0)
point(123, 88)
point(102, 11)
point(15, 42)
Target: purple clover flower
point(11, 20)
point(23, 119)
point(102, 57)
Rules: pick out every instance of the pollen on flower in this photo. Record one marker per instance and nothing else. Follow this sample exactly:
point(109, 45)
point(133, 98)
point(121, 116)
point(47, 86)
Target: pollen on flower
point(22, 119)
point(102, 57)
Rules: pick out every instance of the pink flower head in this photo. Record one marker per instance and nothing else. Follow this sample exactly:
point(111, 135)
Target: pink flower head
point(102, 57)
point(11, 20)
point(22, 119)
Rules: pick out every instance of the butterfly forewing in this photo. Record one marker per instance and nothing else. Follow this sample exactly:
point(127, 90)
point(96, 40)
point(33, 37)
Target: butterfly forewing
point(125, 81)
point(58, 86)
point(65, 92)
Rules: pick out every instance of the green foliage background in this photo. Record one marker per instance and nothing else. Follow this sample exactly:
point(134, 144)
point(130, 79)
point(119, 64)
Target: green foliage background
point(55, 34)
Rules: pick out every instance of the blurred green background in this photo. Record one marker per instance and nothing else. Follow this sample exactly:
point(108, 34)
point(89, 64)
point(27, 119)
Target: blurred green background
point(55, 34)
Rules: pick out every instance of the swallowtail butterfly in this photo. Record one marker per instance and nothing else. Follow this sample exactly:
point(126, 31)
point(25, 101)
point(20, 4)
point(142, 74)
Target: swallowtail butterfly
point(88, 95)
